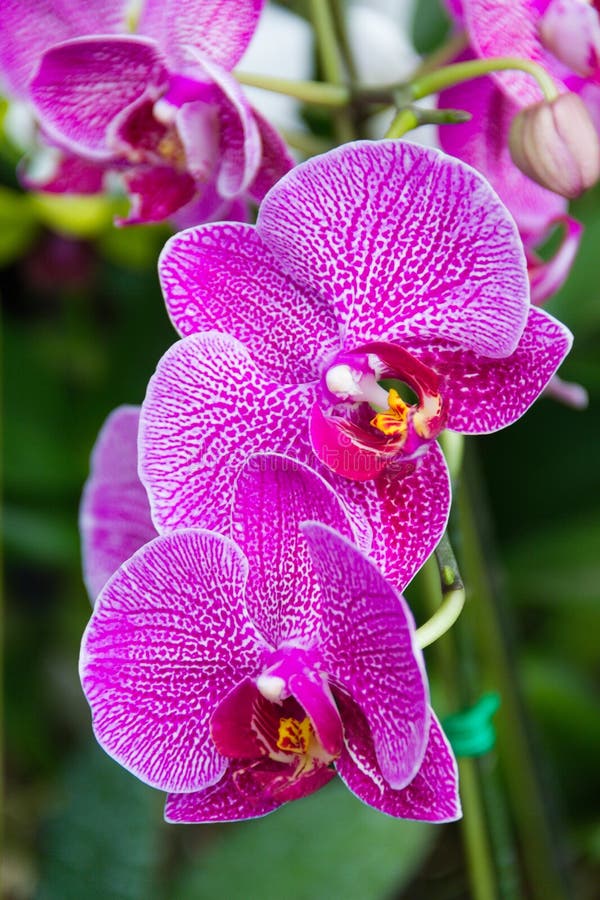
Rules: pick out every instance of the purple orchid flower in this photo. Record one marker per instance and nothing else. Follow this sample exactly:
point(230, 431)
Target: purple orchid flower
point(158, 109)
point(374, 261)
point(483, 143)
point(561, 35)
point(233, 672)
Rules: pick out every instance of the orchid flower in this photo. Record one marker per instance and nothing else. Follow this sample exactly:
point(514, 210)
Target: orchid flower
point(483, 143)
point(374, 261)
point(234, 672)
point(562, 35)
point(158, 109)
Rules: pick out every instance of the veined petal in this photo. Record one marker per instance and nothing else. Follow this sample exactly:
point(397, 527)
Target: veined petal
point(208, 407)
point(483, 143)
point(223, 802)
point(114, 517)
point(431, 796)
point(367, 643)
point(219, 28)
point(56, 172)
point(82, 85)
point(510, 28)
point(30, 27)
point(484, 395)
point(273, 495)
point(240, 141)
point(547, 276)
point(224, 277)
point(169, 637)
point(401, 240)
point(156, 192)
point(275, 159)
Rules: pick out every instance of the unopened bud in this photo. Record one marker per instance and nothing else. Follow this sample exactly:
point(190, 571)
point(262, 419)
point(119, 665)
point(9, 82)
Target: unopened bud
point(556, 144)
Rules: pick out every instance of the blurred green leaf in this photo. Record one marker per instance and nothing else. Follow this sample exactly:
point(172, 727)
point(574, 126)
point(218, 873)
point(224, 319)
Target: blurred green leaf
point(104, 842)
point(324, 846)
point(18, 225)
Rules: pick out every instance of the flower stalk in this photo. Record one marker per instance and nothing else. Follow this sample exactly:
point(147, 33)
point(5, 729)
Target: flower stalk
point(453, 596)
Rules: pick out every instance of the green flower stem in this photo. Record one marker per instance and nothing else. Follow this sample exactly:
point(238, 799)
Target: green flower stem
point(452, 595)
point(317, 93)
point(404, 120)
point(535, 839)
point(338, 11)
point(433, 82)
point(482, 874)
point(329, 54)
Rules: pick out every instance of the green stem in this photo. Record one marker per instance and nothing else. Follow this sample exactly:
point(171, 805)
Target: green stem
point(433, 82)
point(538, 852)
point(452, 595)
point(315, 92)
point(329, 54)
point(404, 120)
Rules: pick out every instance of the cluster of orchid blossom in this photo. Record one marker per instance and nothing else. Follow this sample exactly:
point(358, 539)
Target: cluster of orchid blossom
point(248, 531)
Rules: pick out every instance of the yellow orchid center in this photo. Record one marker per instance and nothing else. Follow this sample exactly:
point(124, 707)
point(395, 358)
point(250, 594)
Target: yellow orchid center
point(171, 149)
point(394, 421)
point(295, 736)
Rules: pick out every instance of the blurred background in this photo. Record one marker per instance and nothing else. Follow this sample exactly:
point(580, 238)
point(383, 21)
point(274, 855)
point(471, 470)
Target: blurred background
point(83, 328)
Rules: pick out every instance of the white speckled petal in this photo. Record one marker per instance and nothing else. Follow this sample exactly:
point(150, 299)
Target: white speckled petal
point(114, 518)
point(223, 802)
point(208, 407)
point(402, 241)
point(169, 637)
point(223, 277)
point(367, 644)
point(273, 496)
point(484, 395)
point(431, 796)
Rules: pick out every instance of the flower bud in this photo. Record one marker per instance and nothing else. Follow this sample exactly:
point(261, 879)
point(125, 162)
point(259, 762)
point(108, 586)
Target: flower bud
point(556, 144)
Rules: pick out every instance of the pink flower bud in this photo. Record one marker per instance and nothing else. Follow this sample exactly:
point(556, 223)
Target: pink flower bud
point(556, 144)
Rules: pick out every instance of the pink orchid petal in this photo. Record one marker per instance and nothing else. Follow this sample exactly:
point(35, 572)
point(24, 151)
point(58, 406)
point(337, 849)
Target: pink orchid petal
point(207, 408)
point(485, 395)
point(114, 518)
point(156, 192)
point(82, 85)
point(431, 796)
point(570, 30)
point(346, 449)
point(67, 174)
point(208, 206)
point(240, 140)
point(568, 392)
point(277, 781)
point(314, 695)
point(223, 802)
point(198, 127)
point(511, 28)
point(362, 226)
point(273, 495)
point(30, 27)
point(367, 643)
point(219, 28)
point(547, 276)
point(224, 277)
point(276, 159)
point(239, 721)
point(483, 143)
point(169, 637)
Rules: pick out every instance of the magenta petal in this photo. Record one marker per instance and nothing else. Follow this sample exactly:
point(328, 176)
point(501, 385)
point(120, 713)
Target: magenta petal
point(483, 395)
point(408, 505)
point(169, 637)
point(240, 142)
point(114, 517)
point(510, 28)
point(431, 796)
point(219, 28)
point(207, 408)
point(70, 174)
point(331, 439)
point(483, 143)
point(273, 496)
point(401, 240)
point(198, 127)
point(547, 276)
point(224, 277)
point(276, 159)
point(223, 802)
point(81, 86)
point(367, 643)
point(156, 193)
point(276, 780)
point(314, 695)
point(233, 725)
point(30, 27)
